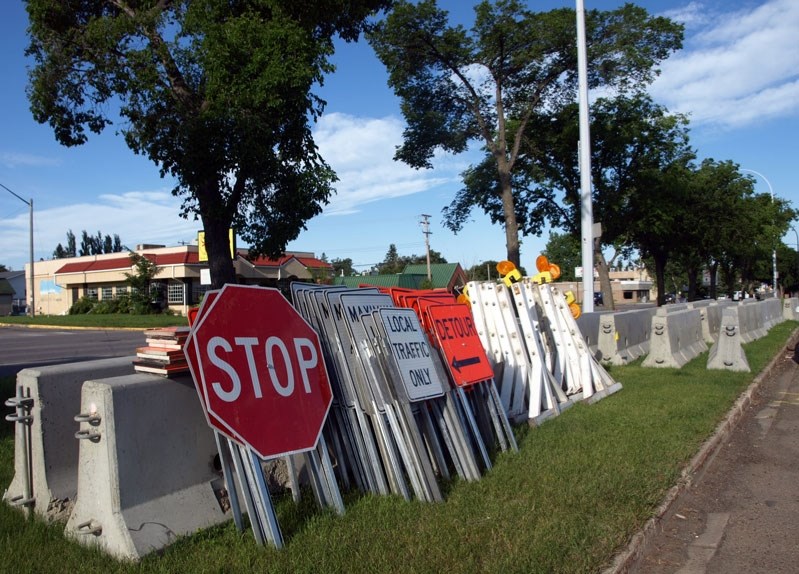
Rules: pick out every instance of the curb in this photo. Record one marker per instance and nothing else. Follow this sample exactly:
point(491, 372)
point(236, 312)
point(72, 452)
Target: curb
point(72, 328)
point(635, 548)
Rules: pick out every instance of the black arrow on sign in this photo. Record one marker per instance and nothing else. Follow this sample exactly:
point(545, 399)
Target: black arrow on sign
point(456, 364)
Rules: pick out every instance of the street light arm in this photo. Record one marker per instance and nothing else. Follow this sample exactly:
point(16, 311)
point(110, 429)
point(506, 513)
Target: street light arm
point(25, 201)
point(30, 206)
point(774, 251)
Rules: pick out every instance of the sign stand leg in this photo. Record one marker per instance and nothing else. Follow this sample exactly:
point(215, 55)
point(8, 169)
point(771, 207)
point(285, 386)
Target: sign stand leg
point(239, 464)
point(230, 485)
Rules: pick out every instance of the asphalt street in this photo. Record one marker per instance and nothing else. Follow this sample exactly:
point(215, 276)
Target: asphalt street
point(22, 347)
point(740, 512)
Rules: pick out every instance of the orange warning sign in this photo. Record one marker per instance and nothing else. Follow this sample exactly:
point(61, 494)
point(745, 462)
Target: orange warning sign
point(453, 326)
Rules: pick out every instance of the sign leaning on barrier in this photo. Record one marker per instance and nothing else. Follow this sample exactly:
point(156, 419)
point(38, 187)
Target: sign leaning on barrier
point(261, 374)
point(262, 382)
point(411, 353)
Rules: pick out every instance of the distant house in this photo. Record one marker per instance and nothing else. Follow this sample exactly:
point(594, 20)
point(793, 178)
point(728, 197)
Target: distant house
point(449, 276)
point(6, 297)
point(16, 279)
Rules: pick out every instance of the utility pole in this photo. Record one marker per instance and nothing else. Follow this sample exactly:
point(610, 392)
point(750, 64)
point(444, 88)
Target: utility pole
point(427, 232)
point(586, 206)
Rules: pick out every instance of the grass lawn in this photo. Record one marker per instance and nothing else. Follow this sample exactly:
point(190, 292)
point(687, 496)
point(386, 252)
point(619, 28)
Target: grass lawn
point(580, 486)
point(98, 321)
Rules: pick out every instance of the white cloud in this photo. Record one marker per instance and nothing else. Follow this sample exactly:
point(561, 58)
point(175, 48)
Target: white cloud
point(361, 151)
point(137, 217)
point(691, 14)
point(737, 68)
point(12, 160)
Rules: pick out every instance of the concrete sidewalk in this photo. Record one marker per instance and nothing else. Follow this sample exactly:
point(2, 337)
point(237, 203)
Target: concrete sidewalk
point(737, 509)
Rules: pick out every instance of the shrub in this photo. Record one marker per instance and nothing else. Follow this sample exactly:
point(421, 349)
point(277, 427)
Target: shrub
point(82, 306)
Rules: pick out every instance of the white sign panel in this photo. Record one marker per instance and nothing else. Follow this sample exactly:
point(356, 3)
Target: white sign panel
point(412, 354)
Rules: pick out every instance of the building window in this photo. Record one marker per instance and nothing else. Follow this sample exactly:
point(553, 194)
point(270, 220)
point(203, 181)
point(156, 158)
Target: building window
point(108, 293)
point(91, 293)
point(175, 293)
point(198, 291)
point(121, 291)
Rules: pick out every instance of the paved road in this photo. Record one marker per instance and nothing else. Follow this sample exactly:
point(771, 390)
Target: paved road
point(741, 513)
point(22, 347)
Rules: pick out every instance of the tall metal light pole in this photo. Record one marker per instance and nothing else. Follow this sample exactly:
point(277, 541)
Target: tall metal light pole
point(586, 206)
point(774, 250)
point(29, 203)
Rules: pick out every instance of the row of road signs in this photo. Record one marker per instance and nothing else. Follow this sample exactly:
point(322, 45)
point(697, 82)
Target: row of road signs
point(384, 392)
point(400, 423)
point(410, 393)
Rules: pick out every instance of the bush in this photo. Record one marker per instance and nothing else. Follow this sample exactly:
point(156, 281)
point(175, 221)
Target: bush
point(82, 306)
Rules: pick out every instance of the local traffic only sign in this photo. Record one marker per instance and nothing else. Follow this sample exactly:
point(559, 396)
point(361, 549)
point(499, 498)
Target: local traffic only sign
point(259, 371)
point(411, 354)
point(457, 337)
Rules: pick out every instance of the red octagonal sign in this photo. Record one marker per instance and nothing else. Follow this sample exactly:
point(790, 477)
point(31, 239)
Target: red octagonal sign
point(259, 370)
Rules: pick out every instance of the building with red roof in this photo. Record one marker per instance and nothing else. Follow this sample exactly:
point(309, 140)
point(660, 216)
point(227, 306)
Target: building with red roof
point(181, 281)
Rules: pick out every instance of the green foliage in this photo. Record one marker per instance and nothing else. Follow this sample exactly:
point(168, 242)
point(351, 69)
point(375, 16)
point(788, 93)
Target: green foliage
point(141, 298)
point(483, 271)
point(120, 320)
point(120, 304)
point(90, 245)
point(394, 263)
point(216, 94)
point(342, 267)
point(81, 306)
point(563, 249)
point(448, 79)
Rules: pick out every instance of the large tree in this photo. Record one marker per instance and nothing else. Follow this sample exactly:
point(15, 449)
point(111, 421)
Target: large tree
point(459, 87)
point(216, 93)
point(630, 134)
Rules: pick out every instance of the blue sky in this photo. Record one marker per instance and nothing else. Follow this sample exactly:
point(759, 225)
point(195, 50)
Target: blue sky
point(737, 77)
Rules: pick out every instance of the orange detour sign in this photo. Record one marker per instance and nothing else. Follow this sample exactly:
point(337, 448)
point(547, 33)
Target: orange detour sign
point(453, 326)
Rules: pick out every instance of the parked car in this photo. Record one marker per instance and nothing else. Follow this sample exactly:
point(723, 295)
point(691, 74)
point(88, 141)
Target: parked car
point(670, 298)
point(598, 298)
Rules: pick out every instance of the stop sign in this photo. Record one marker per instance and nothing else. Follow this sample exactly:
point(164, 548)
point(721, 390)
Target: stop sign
point(259, 370)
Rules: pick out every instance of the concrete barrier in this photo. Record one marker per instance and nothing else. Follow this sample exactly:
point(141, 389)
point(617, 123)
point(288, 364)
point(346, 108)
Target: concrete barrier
point(711, 319)
point(51, 472)
point(625, 336)
point(727, 352)
point(146, 465)
point(790, 308)
point(589, 328)
point(757, 317)
point(676, 338)
point(772, 312)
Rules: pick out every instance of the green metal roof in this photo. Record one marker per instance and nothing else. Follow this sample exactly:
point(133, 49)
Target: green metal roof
point(408, 281)
point(440, 273)
point(6, 288)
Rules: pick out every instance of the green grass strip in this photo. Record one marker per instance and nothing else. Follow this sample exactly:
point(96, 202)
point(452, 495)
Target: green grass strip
point(110, 320)
point(580, 486)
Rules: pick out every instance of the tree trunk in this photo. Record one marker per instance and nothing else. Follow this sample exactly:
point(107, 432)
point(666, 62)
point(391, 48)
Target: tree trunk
point(660, 277)
point(693, 274)
point(714, 268)
point(603, 269)
point(217, 245)
point(511, 225)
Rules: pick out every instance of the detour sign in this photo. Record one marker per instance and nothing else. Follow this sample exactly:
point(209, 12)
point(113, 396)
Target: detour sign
point(453, 326)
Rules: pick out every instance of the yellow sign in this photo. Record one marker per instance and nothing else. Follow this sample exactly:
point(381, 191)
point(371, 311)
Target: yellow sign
point(202, 252)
